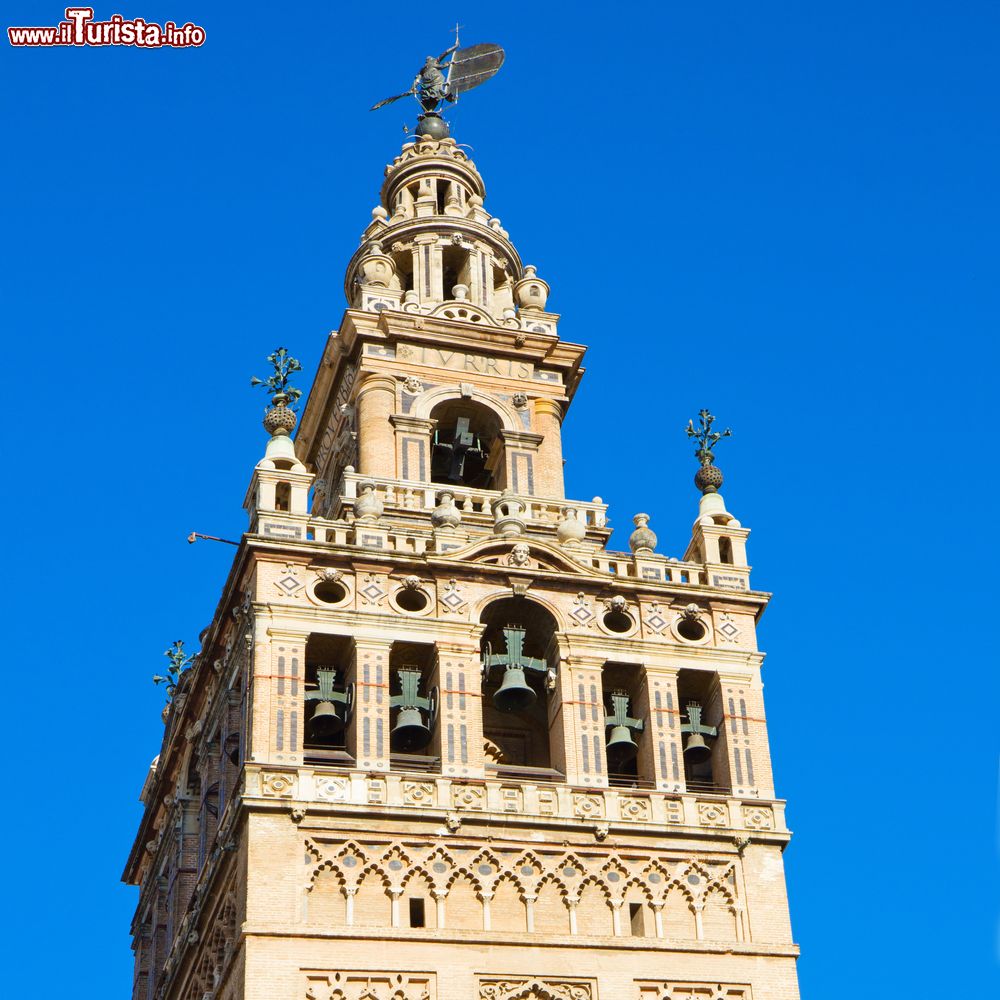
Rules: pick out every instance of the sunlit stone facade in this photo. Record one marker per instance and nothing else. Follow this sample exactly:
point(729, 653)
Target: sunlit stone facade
point(346, 805)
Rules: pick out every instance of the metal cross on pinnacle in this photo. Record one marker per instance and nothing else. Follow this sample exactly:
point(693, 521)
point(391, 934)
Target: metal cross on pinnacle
point(706, 438)
point(277, 384)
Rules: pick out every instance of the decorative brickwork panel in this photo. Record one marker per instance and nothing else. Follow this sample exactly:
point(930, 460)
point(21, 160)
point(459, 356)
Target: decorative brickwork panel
point(692, 991)
point(370, 986)
point(520, 890)
point(536, 989)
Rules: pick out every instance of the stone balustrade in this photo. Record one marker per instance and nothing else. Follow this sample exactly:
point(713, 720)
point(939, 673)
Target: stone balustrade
point(498, 798)
point(476, 505)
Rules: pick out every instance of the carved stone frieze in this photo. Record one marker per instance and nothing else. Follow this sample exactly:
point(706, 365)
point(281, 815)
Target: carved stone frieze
point(536, 989)
point(370, 986)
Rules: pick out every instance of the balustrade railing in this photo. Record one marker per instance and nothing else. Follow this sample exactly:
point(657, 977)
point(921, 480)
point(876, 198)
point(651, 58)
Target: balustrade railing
point(474, 503)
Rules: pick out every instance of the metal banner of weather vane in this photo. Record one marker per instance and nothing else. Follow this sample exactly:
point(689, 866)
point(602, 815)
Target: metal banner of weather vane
point(442, 79)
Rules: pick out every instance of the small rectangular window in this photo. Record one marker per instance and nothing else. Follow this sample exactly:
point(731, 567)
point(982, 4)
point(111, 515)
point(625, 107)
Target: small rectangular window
point(417, 917)
point(636, 920)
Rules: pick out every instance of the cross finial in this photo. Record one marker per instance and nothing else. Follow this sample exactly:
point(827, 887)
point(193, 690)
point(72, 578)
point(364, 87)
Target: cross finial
point(705, 437)
point(179, 662)
point(277, 384)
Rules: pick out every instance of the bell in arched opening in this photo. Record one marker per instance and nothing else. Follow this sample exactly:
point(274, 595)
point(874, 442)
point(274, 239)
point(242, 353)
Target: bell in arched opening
point(412, 731)
point(696, 750)
point(463, 439)
point(332, 708)
point(621, 747)
point(515, 694)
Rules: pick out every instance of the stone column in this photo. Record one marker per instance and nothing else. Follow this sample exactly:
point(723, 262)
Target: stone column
point(549, 474)
point(368, 730)
point(660, 745)
point(376, 436)
point(458, 735)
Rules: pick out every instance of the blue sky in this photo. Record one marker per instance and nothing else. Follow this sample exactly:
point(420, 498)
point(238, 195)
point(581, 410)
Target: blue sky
point(786, 212)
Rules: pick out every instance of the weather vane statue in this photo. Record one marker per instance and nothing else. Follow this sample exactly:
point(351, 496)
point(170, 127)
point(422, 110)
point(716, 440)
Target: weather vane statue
point(443, 78)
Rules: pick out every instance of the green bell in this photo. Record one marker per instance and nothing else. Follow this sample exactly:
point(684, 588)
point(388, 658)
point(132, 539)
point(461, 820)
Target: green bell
point(697, 751)
point(410, 733)
point(515, 694)
point(326, 723)
point(622, 749)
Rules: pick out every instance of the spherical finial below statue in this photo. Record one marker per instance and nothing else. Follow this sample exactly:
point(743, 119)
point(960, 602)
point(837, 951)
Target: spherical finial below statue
point(279, 419)
point(708, 478)
point(432, 126)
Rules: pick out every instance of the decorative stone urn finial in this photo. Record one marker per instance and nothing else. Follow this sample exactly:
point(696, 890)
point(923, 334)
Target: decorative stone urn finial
point(446, 514)
point(571, 529)
point(643, 539)
point(708, 478)
point(368, 506)
point(279, 417)
point(507, 515)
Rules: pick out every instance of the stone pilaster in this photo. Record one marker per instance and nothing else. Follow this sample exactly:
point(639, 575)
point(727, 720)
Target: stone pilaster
point(368, 730)
point(660, 746)
point(743, 736)
point(277, 702)
point(458, 735)
point(582, 715)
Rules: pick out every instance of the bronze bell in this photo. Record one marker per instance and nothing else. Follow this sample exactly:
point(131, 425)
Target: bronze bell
point(410, 733)
point(515, 694)
point(326, 724)
point(622, 749)
point(697, 751)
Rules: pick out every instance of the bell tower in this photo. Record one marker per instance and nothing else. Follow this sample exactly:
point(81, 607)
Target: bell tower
point(441, 742)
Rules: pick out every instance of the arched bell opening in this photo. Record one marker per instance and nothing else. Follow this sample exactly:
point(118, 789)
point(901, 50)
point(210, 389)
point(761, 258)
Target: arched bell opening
point(327, 700)
point(454, 270)
point(519, 656)
point(466, 444)
point(413, 707)
point(701, 717)
point(627, 755)
point(283, 496)
point(726, 550)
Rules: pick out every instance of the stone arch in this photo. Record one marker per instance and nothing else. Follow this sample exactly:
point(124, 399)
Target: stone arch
point(593, 910)
point(637, 912)
point(480, 606)
point(445, 393)
point(718, 918)
point(463, 907)
point(372, 905)
point(326, 901)
point(418, 885)
point(507, 909)
point(678, 915)
point(550, 911)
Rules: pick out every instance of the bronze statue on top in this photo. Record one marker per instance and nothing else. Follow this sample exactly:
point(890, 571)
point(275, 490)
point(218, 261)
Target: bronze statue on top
point(443, 78)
